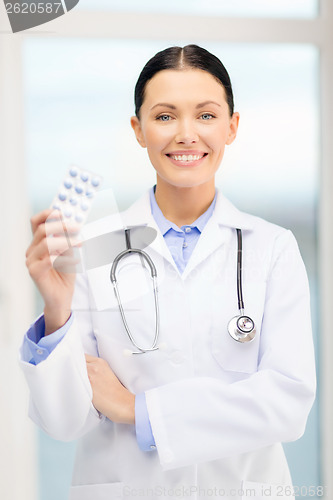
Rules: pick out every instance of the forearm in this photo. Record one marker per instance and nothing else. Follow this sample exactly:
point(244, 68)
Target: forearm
point(119, 407)
point(55, 318)
point(110, 397)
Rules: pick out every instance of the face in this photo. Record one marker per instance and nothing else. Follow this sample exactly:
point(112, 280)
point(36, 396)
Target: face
point(185, 125)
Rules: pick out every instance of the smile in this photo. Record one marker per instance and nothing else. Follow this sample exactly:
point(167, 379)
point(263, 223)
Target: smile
point(186, 159)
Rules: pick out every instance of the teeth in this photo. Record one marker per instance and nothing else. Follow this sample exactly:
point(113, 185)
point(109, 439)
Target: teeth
point(186, 157)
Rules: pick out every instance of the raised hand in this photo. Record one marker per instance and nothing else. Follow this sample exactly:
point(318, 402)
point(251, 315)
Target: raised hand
point(53, 242)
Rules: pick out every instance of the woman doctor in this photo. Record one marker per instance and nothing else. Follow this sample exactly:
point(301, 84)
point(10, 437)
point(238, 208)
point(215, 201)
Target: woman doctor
point(203, 414)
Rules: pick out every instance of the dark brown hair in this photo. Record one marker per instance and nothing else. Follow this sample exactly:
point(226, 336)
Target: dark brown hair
point(190, 56)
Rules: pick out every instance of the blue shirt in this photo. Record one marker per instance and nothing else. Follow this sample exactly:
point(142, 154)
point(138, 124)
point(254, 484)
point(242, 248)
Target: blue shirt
point(181, 242)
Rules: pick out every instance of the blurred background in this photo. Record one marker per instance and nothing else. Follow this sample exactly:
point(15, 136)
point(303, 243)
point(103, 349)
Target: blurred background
point(66, 96)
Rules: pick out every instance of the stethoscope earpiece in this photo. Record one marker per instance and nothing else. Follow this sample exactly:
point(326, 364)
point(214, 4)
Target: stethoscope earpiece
point(242, 328)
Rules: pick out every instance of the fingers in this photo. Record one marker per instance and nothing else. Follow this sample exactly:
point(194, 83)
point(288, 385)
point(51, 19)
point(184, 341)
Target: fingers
point(39, 268)
point(51, 249)
point(90, 359)
point(93, 360)
point(53, 229)
point(51, 222)
point(51, 235)
point(41, 218)
point(52, 259)
point(53, 245)
point(67, 264)
point(97, 365)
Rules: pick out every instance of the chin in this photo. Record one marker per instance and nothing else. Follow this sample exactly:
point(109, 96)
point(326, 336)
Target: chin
point(187, 183)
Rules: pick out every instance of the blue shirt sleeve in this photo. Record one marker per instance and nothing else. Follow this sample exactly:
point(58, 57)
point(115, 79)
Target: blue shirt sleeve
point(144, 434)
point(36, 347)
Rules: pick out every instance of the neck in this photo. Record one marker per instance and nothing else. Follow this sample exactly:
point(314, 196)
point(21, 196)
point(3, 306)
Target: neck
point(182, 206)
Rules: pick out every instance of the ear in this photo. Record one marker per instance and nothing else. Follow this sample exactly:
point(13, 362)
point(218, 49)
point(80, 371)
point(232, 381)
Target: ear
point(234, 121)
point(136, 126)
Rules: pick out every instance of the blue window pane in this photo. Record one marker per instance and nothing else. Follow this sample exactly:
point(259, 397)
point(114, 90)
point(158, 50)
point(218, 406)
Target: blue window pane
point(234, 8)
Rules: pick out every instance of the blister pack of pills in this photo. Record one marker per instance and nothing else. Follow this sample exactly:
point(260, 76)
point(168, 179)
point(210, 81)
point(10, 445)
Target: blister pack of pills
point(76, 194)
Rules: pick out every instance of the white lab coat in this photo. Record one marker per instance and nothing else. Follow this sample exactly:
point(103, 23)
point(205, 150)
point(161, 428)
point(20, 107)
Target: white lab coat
point(218, 409)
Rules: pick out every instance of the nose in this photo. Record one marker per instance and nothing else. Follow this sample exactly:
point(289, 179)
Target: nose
point(186, 133)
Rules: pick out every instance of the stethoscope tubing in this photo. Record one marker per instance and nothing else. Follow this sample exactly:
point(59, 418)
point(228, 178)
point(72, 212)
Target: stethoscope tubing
point(153, 274)
point(127, 252)
point(241, 328)
point(239, 272)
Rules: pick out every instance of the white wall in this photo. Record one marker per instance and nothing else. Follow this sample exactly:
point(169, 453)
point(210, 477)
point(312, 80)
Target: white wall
point(17, 434)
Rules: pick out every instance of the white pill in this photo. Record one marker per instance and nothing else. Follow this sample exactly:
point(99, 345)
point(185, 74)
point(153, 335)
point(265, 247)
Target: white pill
point(62, 196)
point(73, 171)
point(68, 183)
point(84, 176)
point(89, 193)
point(73, 201)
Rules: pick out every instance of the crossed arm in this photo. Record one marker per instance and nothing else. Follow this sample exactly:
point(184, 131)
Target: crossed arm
point(110, 397)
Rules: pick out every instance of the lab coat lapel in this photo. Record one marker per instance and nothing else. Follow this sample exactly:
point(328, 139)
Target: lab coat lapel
point(209, 241)
point(217, 231)
point(214, 235)
point(140, 214)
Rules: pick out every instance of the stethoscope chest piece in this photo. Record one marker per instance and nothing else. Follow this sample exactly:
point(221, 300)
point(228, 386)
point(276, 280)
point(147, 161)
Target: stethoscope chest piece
point(242, 329)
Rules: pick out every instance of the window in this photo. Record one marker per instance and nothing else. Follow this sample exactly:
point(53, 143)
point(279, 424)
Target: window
point(236, 8)
point(78, 103)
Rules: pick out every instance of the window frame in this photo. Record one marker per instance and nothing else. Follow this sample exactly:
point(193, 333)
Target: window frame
point(99, 24)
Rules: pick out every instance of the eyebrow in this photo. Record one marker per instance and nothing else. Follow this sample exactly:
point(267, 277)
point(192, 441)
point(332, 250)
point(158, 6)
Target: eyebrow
point(171, 106)
point(164, 104)
point(202, 104)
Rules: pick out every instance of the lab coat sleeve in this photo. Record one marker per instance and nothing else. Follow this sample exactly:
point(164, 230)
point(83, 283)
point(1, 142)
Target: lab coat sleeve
point(202, 419)
point(60, 391)
point(36, 347)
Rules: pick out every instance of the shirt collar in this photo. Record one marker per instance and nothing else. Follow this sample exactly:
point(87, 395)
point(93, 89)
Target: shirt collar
point(165, 225)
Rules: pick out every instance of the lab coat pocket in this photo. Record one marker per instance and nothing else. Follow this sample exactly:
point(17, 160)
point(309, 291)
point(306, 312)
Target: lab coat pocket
point(110, 491)
point(258, 491)
point(232, 355)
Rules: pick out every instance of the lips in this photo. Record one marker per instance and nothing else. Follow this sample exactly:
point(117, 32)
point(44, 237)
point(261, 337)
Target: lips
point(188, 158)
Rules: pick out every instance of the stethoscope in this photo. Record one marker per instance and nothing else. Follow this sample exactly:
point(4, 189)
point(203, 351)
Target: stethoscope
point(241, 328)
point(153, 272)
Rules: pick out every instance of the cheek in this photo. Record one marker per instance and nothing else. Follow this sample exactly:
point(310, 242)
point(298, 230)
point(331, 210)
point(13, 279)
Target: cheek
point(215, 138)
point(157, 138)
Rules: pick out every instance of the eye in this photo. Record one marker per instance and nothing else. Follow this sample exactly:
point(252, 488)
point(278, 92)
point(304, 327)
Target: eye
point(164, 118)
point(207, 116)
